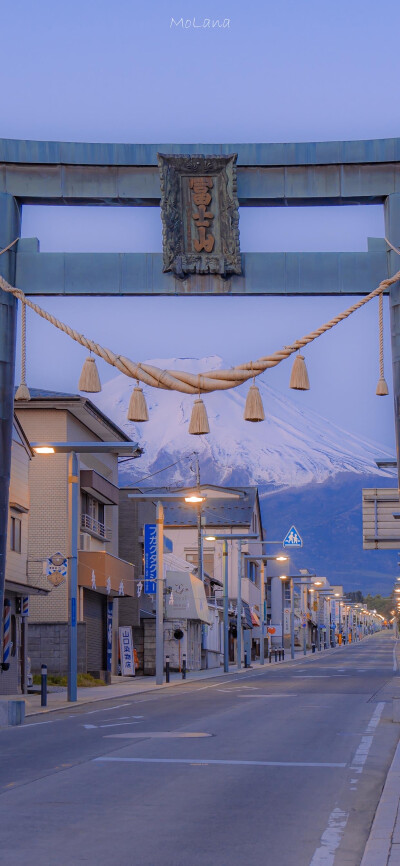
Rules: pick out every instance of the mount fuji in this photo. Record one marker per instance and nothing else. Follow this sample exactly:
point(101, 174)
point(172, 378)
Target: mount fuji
point(309, 471)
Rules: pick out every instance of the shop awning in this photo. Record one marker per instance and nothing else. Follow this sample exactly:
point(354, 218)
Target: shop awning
point(26, 588)
point(104, 573)
point(187, 598)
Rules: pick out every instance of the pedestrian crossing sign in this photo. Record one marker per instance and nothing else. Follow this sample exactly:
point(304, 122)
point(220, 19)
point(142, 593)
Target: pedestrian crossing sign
point(293, 539)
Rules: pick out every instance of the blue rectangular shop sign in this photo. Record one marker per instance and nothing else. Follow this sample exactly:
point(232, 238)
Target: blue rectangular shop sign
point(150, 558)
point(109, 634)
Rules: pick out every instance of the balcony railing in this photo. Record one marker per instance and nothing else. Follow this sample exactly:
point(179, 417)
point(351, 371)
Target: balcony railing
point(90, 524)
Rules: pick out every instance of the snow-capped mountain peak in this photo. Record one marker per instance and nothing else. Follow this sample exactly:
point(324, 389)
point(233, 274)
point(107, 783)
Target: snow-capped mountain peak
point(291, 448)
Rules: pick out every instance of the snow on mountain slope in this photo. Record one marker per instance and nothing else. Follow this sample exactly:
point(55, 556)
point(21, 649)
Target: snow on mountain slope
point(291, 448)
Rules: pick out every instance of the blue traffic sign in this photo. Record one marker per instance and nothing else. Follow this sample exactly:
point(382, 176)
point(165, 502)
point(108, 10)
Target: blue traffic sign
point(292, 539)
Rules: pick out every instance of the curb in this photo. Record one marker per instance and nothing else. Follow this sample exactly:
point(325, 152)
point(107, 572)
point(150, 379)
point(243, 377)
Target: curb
point(382, 840)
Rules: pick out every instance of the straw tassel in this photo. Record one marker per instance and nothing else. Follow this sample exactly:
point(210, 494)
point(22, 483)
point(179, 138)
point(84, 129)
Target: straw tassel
point(137, 410)
point(89, 380)
point(22, 392)
point(254, 409)
point(382, 389)
point(199, 420)
point(299, 377)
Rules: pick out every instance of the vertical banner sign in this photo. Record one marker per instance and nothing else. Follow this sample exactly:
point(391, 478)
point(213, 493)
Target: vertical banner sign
point(286, 620)
point(126, 651)
point(6, 632)
point(150, 558)
point(109, 634)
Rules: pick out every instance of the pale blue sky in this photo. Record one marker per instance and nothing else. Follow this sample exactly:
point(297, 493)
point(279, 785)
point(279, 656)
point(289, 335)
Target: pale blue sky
point(283, 71)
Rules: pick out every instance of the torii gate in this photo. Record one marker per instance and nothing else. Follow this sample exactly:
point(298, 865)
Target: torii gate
point(268, 175)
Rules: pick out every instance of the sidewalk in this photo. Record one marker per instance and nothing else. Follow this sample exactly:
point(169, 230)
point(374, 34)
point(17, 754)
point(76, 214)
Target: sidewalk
point(383, 846)
point(123, 687)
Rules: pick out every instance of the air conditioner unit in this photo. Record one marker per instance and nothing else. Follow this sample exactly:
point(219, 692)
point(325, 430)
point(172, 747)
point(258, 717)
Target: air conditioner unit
point(84, 541)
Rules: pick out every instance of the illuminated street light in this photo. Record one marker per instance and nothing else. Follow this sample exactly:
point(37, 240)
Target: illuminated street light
point(73, 449)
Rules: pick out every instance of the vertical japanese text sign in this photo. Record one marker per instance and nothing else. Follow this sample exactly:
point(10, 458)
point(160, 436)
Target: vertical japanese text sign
point(150, 558)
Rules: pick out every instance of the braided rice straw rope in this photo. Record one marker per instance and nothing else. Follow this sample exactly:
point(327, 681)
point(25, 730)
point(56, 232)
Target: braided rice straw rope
point(189, 383)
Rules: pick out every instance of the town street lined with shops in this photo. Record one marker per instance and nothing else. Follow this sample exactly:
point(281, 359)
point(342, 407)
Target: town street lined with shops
point(295, 756)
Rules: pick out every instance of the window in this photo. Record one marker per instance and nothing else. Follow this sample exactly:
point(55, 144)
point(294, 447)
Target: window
point(251, 570)
point(92, 515)
point(208, 561)
point(15, 535)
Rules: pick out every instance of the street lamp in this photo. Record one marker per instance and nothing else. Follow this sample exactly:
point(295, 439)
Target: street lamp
point(191, 498)
point(73, 449)
point(299, 579)
point(225, 537)
point(264, 558)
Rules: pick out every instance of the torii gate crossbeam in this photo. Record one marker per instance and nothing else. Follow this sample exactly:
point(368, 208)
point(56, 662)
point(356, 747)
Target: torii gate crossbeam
point(268, 175)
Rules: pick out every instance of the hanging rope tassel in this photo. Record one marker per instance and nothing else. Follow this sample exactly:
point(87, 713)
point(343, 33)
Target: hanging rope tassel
point(299, 377)
point(89, 380)
point(22, 392)
point(137, 410)
point(254, 409)
point(199, 420)
point(382, 389)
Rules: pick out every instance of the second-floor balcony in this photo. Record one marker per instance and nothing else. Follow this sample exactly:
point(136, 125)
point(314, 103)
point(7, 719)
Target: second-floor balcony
point(95, 527)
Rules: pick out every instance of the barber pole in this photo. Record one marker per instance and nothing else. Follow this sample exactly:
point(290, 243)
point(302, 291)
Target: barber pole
point(6, 632)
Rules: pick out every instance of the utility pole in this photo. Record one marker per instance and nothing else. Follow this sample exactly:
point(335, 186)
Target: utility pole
point(200, 568)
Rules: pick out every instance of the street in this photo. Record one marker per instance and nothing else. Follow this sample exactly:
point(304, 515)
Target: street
point(281, 766)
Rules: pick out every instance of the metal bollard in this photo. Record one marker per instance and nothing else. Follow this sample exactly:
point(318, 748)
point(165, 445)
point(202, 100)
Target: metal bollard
point(167, 669)
point(313, 647)
point(279, 654)
point(283, 654)
point(246, 664)
point(184, 667)
point(324, 644)
point(43, 687)
point(276, 655)
point(270, 656)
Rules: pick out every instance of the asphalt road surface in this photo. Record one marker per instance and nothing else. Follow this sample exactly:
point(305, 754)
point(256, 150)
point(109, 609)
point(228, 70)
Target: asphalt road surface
point(283, 766)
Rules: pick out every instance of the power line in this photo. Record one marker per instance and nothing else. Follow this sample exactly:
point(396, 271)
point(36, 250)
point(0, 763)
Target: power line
point(164, 468)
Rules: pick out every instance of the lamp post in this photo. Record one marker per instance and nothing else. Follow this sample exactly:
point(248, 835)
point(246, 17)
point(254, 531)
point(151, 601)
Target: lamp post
point(263, 558)
point(194, 498)
point(225, 537)
point(73, 449)
point(299, 579)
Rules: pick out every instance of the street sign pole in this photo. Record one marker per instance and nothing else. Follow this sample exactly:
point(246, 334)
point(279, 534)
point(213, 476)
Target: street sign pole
point(239, 608)
point(262, 617)
point(291, 618)
point(160, 595)
point(226, 605)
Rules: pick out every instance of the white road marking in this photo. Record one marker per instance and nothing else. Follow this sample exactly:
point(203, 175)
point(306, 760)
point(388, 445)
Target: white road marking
point(268, 696)
point(375, 718)
point(330, 839)
point(158, 735)
point(113, 724)
point(213, 761)
point(394, 657)
point(361, 754)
